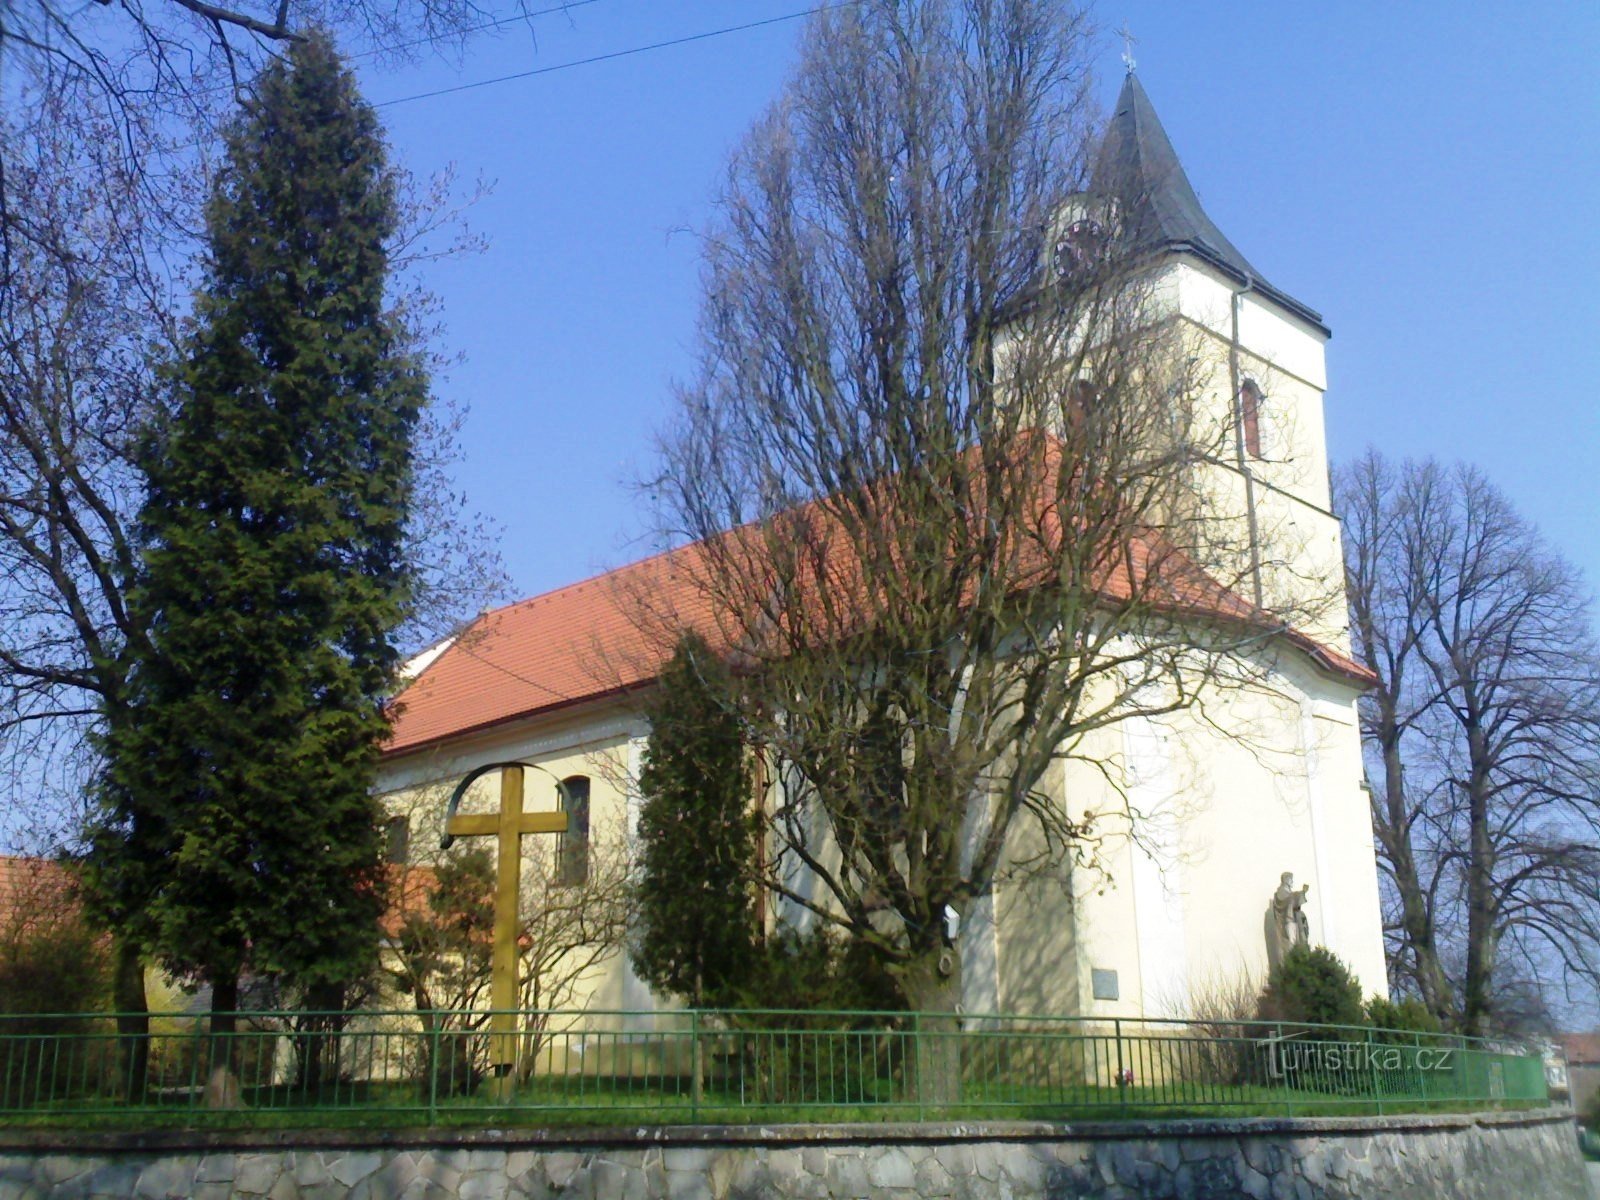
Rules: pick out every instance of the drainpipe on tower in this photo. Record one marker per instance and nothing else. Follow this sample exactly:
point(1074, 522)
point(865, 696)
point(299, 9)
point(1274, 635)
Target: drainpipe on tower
point(1241, 450)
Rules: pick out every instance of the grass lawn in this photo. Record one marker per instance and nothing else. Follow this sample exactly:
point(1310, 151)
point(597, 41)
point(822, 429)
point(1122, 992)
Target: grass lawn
point(570, 1103)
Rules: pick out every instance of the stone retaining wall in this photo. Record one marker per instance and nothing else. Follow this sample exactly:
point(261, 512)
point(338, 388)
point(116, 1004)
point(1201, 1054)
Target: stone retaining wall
point(1531, 1156)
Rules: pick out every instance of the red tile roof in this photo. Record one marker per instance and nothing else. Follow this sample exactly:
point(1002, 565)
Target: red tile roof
point(35, 892)
point(1581, 1049)
point(601, 637)
point(577, 643)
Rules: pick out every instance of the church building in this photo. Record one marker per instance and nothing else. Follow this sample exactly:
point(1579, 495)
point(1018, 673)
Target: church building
point(1240, 829)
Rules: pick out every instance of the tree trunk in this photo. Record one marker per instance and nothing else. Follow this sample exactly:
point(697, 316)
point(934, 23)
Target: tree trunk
point(1416, 918)
point(319, 1036)
point(222, 1083)
point(1481, 931)
point(133, 1020)
point(697, 1053)
point(932, 985)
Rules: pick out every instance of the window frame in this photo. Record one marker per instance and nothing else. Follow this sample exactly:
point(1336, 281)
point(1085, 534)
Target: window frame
point(1251, 398)
point(572, 848)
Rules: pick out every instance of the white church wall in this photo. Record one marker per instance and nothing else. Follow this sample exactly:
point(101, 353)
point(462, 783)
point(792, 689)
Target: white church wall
point(1205, 296)
point(1178, 900)
point(1296, 536)
point(1158, 872)
point(1285, 795)
point(597, 743)
point(1220, 801)
point(1356, 932)
point(1060, 924)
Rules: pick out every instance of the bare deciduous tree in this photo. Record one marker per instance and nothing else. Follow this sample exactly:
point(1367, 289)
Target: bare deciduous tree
point(91, 311)
point(952, 509)
point(1482, 738)
point(86, 311)
point(441, 956)
point(90, 303)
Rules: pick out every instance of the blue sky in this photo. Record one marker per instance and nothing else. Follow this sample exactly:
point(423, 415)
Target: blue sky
point(1426, 175)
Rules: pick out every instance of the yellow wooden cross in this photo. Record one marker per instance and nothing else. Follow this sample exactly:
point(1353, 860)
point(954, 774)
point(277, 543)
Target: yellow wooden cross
point(508, 827)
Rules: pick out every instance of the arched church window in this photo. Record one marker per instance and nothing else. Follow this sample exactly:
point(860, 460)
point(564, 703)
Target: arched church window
point(397, 840)
point(572, 851)
point(1081, 395)
point(1250, 416)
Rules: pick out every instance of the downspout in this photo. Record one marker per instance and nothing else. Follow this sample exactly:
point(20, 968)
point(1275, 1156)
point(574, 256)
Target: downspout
point(1241, 453)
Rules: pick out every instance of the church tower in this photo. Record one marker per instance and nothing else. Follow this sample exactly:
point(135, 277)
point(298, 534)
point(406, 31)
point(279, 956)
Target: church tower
point(1220, 807)
point(1261, 371)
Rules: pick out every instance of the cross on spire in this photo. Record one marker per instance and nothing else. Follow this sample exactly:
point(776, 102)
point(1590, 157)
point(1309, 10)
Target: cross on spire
point(1127, 48)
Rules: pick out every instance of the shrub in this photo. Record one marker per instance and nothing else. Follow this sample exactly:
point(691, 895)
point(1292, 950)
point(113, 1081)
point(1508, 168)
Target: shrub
point(1589, 1114)
point(820, 974)
point(460, 1065)
point(1220, 1048)
point(1312, 985)
point(1408, 1016)
point(51, 962)
point(818, 971)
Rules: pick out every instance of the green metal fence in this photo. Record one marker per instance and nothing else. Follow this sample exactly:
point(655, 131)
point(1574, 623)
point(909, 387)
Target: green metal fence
point(689, 1066)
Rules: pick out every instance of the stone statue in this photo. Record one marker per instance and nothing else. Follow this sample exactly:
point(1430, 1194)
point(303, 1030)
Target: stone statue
point(1289, 913)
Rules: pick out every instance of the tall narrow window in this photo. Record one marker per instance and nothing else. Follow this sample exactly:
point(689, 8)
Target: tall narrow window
point(397, 840)
point(1081, 395)
point(572, 852)
point(1250, 417)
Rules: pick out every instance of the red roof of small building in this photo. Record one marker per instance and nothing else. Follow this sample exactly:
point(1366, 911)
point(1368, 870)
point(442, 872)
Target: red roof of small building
point(35, 891)
point(410, 889)
point(1581, 1049)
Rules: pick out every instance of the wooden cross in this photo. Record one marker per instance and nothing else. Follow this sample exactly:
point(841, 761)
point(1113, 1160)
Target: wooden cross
point(508, 827)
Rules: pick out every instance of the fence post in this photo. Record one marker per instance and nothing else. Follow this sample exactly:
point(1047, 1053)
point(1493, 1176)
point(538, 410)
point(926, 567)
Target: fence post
point(1122, 1088)
point(694, 1066)
point(922, 1061)
point(1372, 1065)
point(201, 1047)
point(433, 1070)
point(1288, 1087)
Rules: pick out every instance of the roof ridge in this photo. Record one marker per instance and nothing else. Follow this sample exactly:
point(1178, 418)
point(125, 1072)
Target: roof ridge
point(578, 583)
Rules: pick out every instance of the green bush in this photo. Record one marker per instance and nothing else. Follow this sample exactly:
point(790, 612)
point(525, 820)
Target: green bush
point(50, 963)
point(818, 971)
point(53, 965)
point(1409, 1016)
point(1312, 985)
point(1590, 1117)
point(820, 974)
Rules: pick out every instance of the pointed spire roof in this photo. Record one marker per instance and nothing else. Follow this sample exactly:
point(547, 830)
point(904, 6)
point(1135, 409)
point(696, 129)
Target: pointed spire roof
point(1138, 167)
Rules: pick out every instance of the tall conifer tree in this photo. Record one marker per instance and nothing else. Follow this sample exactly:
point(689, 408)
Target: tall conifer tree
point(274, 564)
point(697, 922)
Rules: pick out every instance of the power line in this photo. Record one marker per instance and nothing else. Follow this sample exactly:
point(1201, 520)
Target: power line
point(597, 58)
point(518, 19)
point(276, 50)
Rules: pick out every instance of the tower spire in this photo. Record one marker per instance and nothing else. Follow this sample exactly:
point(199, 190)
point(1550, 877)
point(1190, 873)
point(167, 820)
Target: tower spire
point(1137, 168)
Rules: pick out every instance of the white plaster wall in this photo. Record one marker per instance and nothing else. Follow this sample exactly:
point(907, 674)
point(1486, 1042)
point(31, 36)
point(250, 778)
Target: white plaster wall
point(600, 743)
point(1205, 297)
point(1159, 874)
point(1261, 781)
point(1218, 803)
